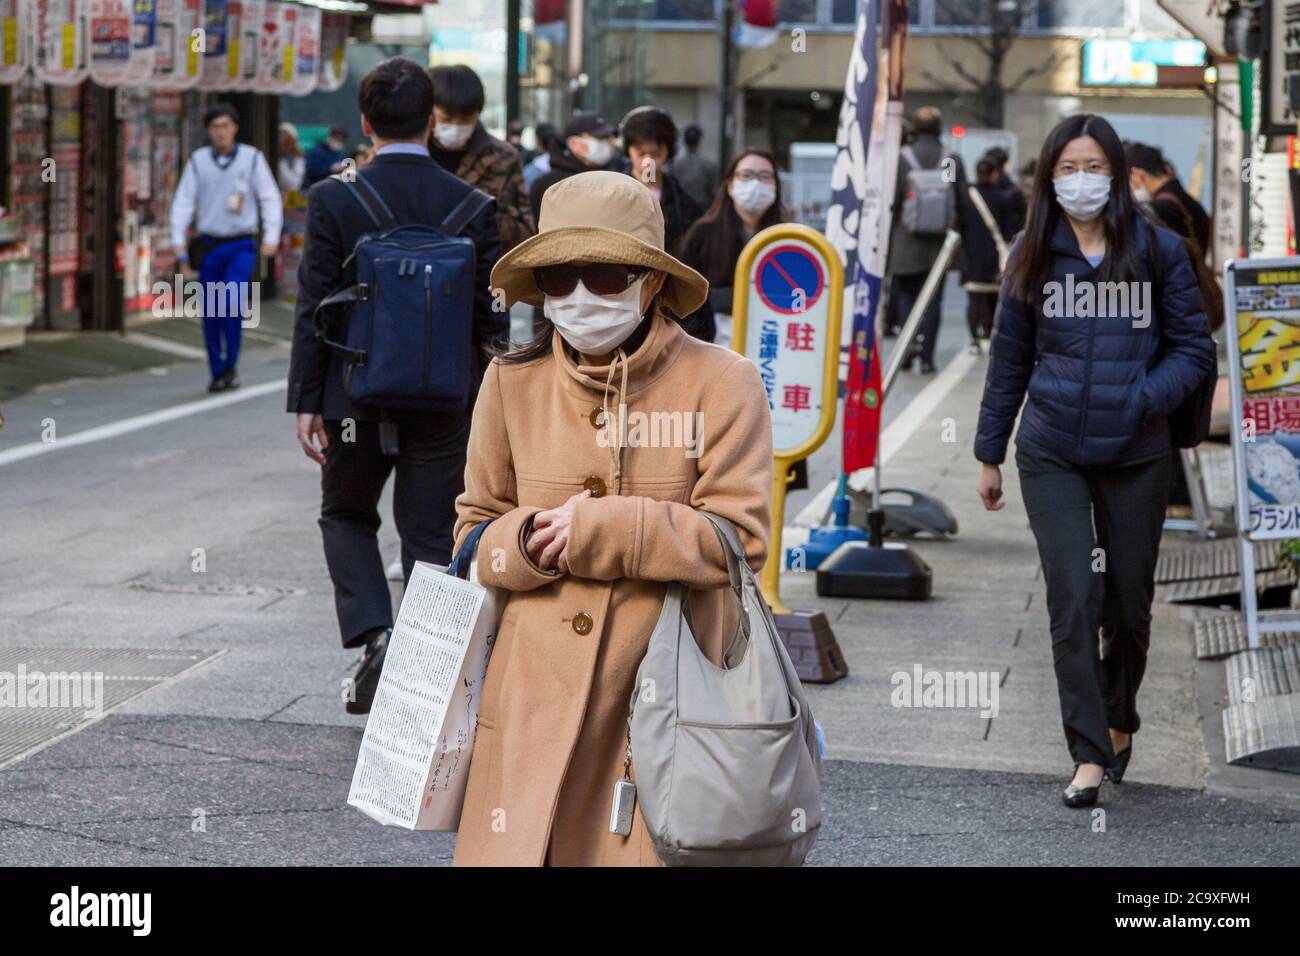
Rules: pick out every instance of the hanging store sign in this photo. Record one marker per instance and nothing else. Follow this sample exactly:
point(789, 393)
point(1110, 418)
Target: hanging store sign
point(13, 40)
point(306, 71)
point(178, 47)
point(59, 48)
point(144, 39)
point(333, 50)
point(245, 42)
point(275, 56)
point(216, 46)
point(111, 24)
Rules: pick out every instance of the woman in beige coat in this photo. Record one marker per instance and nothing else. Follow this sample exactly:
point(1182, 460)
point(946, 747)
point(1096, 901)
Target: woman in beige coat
point(591, 518)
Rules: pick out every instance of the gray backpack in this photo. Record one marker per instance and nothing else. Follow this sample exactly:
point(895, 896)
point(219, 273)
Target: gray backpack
point(930, 203)
point(727, 761)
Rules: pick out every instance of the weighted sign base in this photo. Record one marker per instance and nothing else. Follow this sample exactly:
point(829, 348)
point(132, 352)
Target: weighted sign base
point(857, 570)
point(811, 644)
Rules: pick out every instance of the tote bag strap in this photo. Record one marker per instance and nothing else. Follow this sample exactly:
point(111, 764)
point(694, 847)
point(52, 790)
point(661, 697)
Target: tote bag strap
point(733, 552)
point(460, 564)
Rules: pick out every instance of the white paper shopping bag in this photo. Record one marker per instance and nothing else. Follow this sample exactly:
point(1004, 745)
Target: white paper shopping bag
point(414, 760)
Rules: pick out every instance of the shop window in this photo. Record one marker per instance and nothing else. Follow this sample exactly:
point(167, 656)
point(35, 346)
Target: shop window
point(1057, 14)
point(699, 10)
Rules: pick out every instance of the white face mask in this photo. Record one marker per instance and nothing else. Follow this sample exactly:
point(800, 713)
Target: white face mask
point(453, 136)
point(595, 324)
point(752, 196)
point(1141, 195)
point(1082, 195)
point(599, 151)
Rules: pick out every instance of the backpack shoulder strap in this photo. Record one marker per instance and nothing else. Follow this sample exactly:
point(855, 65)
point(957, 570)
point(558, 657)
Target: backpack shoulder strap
point(475, 202)
point(909, 154)
point(370, 201)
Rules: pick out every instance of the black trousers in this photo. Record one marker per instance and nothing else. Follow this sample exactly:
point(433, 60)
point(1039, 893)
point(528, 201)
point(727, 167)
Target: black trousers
point(907, 288)
point(980, 309)
point(1098, 533)
point(430, 467)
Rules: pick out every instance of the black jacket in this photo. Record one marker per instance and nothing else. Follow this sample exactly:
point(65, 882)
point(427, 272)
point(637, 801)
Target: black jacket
point(979, 250)
point(417, 190)
point(909, 254)
point(1099, 389)
point(1177, 210)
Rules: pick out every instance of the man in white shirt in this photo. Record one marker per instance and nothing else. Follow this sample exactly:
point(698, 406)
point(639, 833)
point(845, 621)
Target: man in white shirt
point(227, 184)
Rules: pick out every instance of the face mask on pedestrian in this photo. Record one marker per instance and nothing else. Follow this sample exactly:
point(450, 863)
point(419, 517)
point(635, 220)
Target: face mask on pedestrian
point(1082, 195)
point(599, 151)
point(595, 324)
point(1140, 195)
point(752, 196)
point(453, 136)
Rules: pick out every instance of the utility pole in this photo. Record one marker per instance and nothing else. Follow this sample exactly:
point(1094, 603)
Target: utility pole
point(726, 80)
point(512, 61)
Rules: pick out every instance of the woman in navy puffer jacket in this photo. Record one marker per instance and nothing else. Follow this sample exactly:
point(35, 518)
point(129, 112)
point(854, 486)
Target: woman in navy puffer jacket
point(1079, 331)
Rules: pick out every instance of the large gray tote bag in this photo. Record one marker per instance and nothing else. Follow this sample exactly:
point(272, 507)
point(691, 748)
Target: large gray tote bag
point(726, 760)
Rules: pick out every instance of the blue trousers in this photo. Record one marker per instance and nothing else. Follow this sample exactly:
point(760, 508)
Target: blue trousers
point(230, 263)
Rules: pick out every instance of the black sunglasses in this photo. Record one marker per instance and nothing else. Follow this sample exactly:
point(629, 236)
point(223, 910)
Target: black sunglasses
point(602, 278)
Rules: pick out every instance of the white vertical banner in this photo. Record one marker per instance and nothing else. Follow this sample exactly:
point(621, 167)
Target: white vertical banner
point(333, 50)
point(59, 45)
point(111, 24)
point(275, 60)
point(216, 45)
point(251, 13)
point(144, 40)
point(1229, 152)
point(13, 40)
point(306, 70)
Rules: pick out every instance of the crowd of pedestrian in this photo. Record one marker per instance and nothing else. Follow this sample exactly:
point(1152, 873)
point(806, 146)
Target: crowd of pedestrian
point(626, 246)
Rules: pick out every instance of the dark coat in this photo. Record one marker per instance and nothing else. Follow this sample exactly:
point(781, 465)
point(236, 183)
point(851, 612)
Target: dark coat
point(979, 250)
point(563, 165)
point(909, 254)
point(1098, 392)
point(417, 190)
point(1177, 210)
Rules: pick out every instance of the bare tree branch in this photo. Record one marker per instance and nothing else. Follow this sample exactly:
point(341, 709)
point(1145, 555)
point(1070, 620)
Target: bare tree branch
point(958, 68)
point(1032, 71)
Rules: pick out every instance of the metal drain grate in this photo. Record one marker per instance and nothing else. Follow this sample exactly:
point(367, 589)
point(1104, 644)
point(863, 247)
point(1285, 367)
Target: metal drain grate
point(1222, 634)
point(1210, 559)
point(30, 711)
point(1205, 589)
point(1261, 724)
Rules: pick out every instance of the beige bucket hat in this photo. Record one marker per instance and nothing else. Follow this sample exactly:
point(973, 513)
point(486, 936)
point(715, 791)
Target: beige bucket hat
point(599, 216)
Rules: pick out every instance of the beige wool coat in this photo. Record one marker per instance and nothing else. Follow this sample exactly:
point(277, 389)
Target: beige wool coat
point(552, 726)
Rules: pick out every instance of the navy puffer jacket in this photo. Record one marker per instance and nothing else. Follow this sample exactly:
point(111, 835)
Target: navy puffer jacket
point(1099, 389)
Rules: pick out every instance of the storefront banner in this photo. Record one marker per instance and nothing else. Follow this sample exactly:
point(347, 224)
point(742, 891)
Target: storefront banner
point(275, 63)
point(13, 40)
point(246, 48)
point(111, 23)
point(307, 46)
point(178, 55)
point(333, 50)
point(144, 40)
point(216, 48)
point(58, 51)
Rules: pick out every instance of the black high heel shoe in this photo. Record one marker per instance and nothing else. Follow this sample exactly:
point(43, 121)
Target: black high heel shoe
point(1116, 773)
point(1076, 797)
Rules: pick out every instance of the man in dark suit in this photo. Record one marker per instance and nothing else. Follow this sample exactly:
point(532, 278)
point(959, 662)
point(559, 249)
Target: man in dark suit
point(358, 447)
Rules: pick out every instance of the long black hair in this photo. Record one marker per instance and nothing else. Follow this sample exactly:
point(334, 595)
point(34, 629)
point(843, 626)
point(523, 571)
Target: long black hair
point(713, 244)
point(1031, 267)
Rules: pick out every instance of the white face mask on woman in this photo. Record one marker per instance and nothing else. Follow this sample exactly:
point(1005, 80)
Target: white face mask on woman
point(1082, 195)
point(595, 324)
point(599, 151)
point(453, 136)
point(752, 196)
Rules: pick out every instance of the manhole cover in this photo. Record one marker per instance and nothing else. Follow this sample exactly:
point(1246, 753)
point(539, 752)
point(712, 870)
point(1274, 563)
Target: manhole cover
point(47, 692)
point(220, 590)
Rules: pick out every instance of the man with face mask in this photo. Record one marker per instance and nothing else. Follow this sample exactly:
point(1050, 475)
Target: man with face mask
point(465, 149)
point(326, 158)
point(585, 145)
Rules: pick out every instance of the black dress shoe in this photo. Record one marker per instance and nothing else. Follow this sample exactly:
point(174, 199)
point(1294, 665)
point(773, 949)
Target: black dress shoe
point(231, 378)
point(365, 680)
point(218, 384)
point(1116, 773)
point(1074, 796)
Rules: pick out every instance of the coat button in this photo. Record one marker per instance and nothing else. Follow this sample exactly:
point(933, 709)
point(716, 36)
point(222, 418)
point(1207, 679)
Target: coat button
point(597, 418)
point(595, 485)
point(582, 622)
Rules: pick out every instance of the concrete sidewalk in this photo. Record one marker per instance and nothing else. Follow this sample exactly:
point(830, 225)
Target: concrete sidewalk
point(231, 746)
